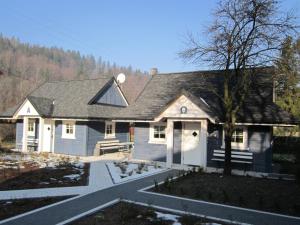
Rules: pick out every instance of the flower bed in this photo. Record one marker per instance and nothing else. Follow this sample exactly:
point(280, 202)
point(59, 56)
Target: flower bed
point(122, 171)
point(27, 171)
point(127, 214)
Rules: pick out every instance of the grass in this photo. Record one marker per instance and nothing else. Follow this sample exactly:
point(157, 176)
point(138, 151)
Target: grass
point(124, 213)
point(10, 208)
point(278, 196)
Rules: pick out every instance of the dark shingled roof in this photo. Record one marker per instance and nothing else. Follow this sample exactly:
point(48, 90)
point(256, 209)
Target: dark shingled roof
point(71, 98)
point(165, 88)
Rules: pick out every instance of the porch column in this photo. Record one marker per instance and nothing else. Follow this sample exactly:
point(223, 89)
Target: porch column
point(41, 134)
point(169, 135)
point(25, 135)
point(203, 142)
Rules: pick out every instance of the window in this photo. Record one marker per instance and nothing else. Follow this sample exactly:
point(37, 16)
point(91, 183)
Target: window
point(238, 136)
point(110, 129)
point(31, 127)
point(239, 139)
point(68, 131)
point(157, 134)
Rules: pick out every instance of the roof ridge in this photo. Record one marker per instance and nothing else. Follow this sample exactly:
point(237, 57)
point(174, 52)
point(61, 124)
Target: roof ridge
point(89, 79)
point(207, 71)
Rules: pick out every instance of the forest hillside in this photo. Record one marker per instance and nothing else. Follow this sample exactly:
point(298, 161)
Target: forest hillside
point(23, 67)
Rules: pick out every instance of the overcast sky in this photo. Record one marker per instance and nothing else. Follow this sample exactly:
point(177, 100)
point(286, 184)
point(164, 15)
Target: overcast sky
point(140, 33)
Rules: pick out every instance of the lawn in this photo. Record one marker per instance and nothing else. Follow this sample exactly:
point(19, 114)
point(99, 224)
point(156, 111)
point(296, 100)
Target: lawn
point(29, 171)
point(278, 196)
point(10, 208)
point(124, 213)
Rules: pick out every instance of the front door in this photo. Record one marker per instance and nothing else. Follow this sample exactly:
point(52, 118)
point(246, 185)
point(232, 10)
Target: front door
point(48, 135)
point(191, 151)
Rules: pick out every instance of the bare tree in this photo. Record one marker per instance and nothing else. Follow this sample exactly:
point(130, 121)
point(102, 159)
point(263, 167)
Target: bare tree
point(245, 34)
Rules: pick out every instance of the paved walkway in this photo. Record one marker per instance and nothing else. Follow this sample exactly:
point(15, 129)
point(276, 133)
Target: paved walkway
point(130, 191)
point(99, 179)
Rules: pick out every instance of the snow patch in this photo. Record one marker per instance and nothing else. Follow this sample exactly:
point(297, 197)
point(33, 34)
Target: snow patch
point(126, 171)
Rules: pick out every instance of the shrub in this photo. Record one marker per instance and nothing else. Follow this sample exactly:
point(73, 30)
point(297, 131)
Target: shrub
point(182, 191)
point(261, 202)
point(197, 193)
point(156, 188)
point(226, 197)
point(241, 201)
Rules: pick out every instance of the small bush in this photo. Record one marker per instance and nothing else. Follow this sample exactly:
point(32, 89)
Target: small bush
point(241, 201)
point(156, 188)
point(261, 202)
point(226, 197)
point(182, 191)
point(210, 196)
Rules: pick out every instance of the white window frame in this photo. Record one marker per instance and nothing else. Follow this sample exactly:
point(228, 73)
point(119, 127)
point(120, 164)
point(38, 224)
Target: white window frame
point(32, 132)
point(113, 130)
point(66, 135)
point(152, 139)
point(239, 146)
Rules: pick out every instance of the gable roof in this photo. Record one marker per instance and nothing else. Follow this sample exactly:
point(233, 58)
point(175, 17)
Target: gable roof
point(72, 99)
point(163, 88)
point(69, 99)
point(110, 94)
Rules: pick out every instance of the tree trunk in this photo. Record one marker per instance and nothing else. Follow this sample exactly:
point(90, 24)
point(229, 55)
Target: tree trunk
point(228, 125)
point(227, 163)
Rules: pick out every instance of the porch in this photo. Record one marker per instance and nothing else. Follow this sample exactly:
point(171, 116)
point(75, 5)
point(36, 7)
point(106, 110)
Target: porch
point(34, 134)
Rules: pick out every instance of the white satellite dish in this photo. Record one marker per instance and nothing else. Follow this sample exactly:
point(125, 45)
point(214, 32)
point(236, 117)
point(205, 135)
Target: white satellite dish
point(121, 78)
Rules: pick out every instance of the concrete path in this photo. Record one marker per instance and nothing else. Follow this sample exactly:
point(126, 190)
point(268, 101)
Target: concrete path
point(69, 209)
point(131, 191)
point(99, 179)
point(214, 210)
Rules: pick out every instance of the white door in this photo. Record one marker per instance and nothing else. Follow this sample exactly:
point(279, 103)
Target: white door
point(48, 136)
point(191, 151)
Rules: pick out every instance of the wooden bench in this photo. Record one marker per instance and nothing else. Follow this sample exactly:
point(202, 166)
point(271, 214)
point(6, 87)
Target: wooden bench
point(32, 143)
point(236, 156)
point(103, 147)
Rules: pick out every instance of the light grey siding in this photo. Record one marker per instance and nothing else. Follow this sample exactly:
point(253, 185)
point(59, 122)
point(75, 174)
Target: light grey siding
point(122, 132)
point(177, 143)
point(19, 133)
point(143, 149)
point(96, 132)
point(259, 142)
point(77, 146)
point(111, 96)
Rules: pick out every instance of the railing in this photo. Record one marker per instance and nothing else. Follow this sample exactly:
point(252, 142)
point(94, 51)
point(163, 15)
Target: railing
point(236, 156)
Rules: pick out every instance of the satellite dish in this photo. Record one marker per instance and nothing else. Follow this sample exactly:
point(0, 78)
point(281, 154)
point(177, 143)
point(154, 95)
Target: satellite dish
point(121, 78)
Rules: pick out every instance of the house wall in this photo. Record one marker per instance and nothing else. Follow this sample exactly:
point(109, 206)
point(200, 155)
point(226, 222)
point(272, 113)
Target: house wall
point(96, 132)
point(77, 146)
point(111, 95)
point(87, 134)
point(143, 149)
point(259, 142)
point(19, 133)
point(177, 142)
